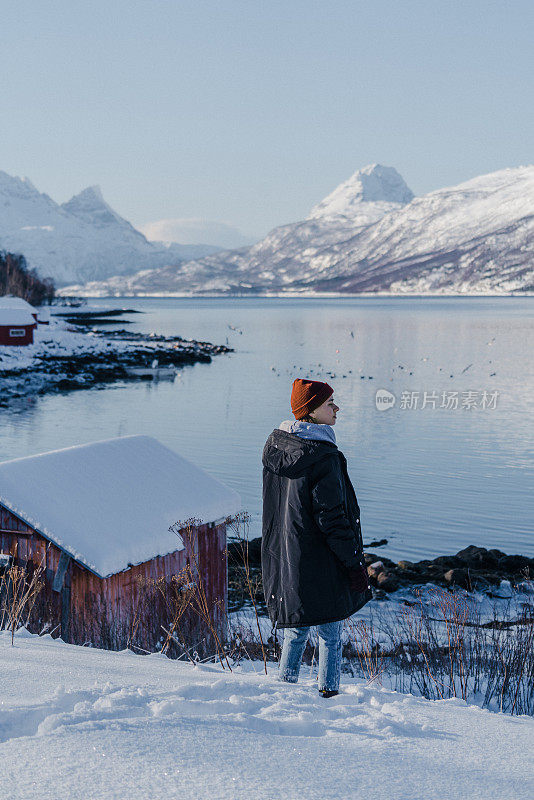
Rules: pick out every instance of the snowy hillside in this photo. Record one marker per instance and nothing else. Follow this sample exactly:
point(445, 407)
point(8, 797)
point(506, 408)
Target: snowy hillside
point(369, 235)
point(81, 240)
point(476, 236)
point(79, 722)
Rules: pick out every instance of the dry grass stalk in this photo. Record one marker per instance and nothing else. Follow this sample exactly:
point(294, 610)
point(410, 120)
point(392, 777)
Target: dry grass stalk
point(197, 601)
point(19, 589)
point(440, 646)
point(239, 525)
point(368, 652)
point(177, 597)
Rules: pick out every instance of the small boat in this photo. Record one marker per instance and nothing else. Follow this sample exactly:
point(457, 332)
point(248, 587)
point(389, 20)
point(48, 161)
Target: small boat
point(153, 372)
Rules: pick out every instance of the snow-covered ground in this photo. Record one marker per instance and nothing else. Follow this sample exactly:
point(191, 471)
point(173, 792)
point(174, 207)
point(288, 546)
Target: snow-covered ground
point(82, 723)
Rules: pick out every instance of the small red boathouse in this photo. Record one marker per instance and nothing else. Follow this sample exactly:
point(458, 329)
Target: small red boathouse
point(16, 327)
point(97, 517)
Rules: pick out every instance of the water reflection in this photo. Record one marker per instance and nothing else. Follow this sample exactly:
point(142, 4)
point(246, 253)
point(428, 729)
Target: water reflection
point(430, 480)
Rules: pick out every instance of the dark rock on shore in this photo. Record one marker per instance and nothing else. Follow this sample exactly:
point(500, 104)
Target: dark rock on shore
point(90, 321)
point(472, 568)
point(458, 577)
point(83, 316)
point(379, 543)
point(387, 581)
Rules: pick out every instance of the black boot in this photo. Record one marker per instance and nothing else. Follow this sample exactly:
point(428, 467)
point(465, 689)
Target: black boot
point(328, 692)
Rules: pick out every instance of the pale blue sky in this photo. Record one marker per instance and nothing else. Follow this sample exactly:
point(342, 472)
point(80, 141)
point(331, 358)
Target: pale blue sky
point(251, 112)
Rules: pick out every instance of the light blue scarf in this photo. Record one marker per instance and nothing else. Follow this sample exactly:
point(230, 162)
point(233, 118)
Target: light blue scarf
point(309, 430)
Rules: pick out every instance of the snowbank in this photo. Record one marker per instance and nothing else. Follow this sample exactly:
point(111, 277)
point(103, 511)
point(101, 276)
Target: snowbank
point(76, 722)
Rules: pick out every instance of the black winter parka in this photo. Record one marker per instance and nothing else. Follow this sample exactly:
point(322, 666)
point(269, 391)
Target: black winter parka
point(311, 533)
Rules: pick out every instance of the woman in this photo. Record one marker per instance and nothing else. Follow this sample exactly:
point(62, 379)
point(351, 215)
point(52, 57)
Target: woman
point(312, 549)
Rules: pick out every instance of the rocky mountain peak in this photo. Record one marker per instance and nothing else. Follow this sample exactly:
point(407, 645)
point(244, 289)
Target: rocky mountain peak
point(93, 193)
point(90, 206)
point(17, 187)
point(372, 184)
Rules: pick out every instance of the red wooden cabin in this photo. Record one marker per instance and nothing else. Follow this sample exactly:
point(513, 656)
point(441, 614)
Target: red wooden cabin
point(16, 327)
point(97, 518)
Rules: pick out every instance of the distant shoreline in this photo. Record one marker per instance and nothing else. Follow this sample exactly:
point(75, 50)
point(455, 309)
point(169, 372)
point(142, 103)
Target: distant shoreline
point(295, 295)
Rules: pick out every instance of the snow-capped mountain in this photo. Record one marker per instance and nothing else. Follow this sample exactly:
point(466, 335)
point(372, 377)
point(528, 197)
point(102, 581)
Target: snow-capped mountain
point(474, 237)
point(373, 187)
point(89, 206)
point(372, 235)
point(84, 239)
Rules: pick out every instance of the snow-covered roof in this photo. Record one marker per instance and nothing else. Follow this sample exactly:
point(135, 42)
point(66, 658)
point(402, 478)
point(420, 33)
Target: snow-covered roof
point(7, 301)
point(15, 316)
point(110, 504)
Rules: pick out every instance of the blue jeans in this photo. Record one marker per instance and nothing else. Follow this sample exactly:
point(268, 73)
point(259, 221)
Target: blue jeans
point(329, 654)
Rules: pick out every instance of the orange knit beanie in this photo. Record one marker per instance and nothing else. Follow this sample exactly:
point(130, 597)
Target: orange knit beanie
point(308, 395)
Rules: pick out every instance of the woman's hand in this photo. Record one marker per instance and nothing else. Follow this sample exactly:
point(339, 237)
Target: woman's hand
point(358, 579)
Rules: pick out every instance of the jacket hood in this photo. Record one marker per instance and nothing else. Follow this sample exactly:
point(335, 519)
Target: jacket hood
point(289, 455)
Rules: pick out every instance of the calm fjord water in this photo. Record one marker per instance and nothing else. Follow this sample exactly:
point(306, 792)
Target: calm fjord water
point(431, 480)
